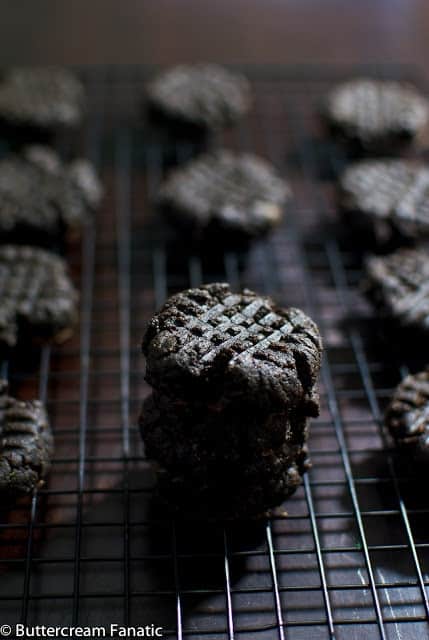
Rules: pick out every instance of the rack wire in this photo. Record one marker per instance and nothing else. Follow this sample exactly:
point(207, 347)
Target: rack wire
point(351, 559)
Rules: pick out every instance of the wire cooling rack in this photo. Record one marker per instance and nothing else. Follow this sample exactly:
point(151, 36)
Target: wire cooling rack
point(350, 560)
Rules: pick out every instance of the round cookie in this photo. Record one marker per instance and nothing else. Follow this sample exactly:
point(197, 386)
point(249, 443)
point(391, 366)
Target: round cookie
point(26, 444)
point(204, 96)
point(407, 416)
point(42, 98)
point(377, 115)
point(224, 195)
point(211, 343)
point(38, 298)
point(398, 284)
point(41, 197)
point(388, 197)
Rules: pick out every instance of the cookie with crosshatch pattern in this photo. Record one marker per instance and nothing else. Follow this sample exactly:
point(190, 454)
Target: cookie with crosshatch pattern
point(203, 96)
point(41, 197)
point(234, 378)
point(224, 195)
point(378, 115)
point(407, 416)
point(26, 443)
point(389, 197)
point(398, 284)
point(211, 343)
point(38, 299)
point(39, 97)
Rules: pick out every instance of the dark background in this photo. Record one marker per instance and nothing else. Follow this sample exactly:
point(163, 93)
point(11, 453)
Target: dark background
point(237, 31)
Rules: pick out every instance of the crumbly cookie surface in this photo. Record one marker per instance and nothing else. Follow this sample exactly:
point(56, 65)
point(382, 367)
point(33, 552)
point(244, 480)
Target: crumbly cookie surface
point(226, 190)
point(407, 416)
point(399, 286)
point(377, 111)
point(26, 443)
point(38, 297)
point(391, 196)
point(41, 97)
point(39, 192)
point(229, 344)
point(206, 95)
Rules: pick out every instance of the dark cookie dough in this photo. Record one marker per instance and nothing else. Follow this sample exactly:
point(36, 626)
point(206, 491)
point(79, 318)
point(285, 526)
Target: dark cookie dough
point(26, 444)
point(233, 462)
point(378, 115)
point(389, 197)
point(220, 345)
point(41, 197)
point(225, 193)
point(407, 416)
point(43, 98)
point(399, 286)
point(38, 299)
point(205, 96)
point(234, 380)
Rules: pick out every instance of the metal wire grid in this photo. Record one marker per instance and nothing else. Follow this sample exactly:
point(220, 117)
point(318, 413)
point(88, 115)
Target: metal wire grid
point(92, 547)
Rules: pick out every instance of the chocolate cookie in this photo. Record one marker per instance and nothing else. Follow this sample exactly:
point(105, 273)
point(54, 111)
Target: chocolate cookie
point(26, 444)
point(204, 96)
point(214, 344)
point(389, 197)
point(399, 286)
point(378, 115)
point(41, 197)
point(233, 461)
point(38, 298)
point(45, 98)
point(234, 380)
point(224, 194)
point(407, 416)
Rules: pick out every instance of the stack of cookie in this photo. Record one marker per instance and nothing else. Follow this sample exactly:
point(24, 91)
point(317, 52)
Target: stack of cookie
point(43, 202)
point(234, 376)
point(234, 379)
